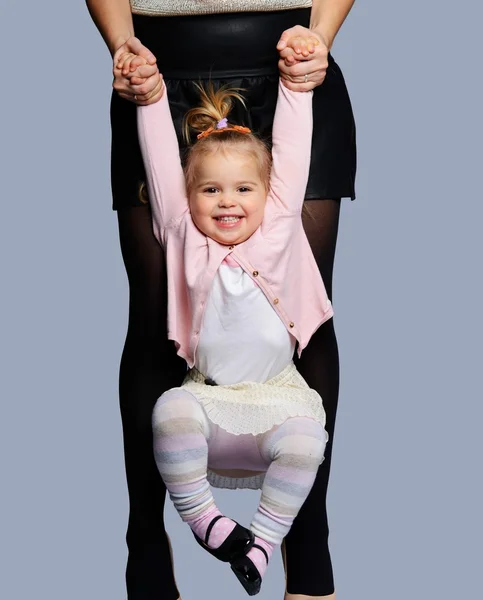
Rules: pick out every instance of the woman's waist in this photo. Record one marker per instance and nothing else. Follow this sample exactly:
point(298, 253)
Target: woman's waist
point(168, 8)
point(217, 46)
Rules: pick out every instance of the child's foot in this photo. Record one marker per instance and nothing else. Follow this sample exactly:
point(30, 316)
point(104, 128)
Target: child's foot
point(257, 555)
point(251, 568)
point(221, 536)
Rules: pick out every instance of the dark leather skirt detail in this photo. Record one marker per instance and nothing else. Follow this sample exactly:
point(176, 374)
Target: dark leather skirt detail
point(236, 49)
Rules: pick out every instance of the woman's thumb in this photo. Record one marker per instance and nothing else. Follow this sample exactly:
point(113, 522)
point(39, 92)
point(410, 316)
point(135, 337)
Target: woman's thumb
point(136, 47)
point(282, 42)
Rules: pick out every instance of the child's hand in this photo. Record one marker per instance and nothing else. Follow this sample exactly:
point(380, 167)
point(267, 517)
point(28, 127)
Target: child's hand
point(301, 46)
point(128, 62)
point(137, 80)
point(303, 59)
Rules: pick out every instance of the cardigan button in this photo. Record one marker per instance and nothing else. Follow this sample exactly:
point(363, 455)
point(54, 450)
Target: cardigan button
point(231, 247)
point(275, 301)
point(291, 324)
point(255, 273)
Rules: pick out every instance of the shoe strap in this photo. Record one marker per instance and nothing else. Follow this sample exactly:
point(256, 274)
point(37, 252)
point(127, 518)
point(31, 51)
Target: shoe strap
point(262, 549)
point(210, 527)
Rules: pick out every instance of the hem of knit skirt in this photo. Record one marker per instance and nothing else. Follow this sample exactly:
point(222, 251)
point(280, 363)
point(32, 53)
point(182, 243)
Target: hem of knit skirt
point(235, 483)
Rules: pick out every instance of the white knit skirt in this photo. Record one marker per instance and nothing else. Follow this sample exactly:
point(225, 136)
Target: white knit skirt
point(250, 407)
point(254, 408)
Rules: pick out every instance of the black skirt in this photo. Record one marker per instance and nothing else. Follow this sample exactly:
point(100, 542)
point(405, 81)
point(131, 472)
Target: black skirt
point(236, 49)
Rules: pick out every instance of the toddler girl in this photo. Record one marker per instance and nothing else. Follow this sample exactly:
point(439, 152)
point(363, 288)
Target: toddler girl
point(243, 291)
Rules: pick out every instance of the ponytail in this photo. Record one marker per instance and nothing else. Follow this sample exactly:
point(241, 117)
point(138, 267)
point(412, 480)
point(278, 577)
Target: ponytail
point(211, 117)
point(214, 107)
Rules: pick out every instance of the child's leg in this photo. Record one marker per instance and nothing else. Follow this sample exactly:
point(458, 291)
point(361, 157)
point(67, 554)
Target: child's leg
point(295, 450)
point(180, 431)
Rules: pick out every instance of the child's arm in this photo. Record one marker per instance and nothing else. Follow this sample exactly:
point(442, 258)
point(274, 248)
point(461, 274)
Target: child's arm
point(292, 141)
point(160, 150)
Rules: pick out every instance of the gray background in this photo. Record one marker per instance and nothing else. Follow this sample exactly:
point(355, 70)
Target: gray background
point(405, 495)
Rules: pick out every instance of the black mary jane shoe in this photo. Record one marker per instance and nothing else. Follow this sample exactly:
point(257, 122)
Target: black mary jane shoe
point(236, 545)
point(247, 573)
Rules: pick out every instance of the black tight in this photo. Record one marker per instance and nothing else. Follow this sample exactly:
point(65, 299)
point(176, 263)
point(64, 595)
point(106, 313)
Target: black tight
point(149, 367)
point(310, 572)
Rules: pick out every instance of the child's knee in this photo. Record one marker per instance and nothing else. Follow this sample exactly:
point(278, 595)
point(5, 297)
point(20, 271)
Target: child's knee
point(297, 437)
point(178, 409)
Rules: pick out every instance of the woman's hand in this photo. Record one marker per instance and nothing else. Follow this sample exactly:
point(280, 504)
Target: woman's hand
point(302, 64)
point(136, 75)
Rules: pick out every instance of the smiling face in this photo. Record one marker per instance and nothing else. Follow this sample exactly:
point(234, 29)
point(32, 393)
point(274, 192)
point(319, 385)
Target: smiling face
point(227, 197)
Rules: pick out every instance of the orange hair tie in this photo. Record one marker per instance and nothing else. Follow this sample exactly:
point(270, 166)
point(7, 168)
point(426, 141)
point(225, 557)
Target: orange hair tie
point(211, 130)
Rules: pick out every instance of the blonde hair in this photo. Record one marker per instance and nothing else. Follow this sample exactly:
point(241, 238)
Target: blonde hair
point(214, 107)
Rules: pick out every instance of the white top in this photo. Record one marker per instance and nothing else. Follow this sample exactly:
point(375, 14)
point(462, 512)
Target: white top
point(211, 7)
point(242, 338)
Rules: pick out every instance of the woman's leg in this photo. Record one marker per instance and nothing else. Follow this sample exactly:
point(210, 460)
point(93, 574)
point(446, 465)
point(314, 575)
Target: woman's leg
point(149, 366)
point(308, 563)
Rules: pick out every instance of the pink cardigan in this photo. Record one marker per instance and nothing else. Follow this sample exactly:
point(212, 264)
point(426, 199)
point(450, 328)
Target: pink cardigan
point(277, 256)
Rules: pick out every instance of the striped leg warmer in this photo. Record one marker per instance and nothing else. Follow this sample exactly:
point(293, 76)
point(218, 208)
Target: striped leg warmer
point(295, 450)
point(180, 432)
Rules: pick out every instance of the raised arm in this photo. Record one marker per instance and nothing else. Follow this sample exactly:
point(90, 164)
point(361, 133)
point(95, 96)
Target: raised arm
point(292, 140)
point(160, 150)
